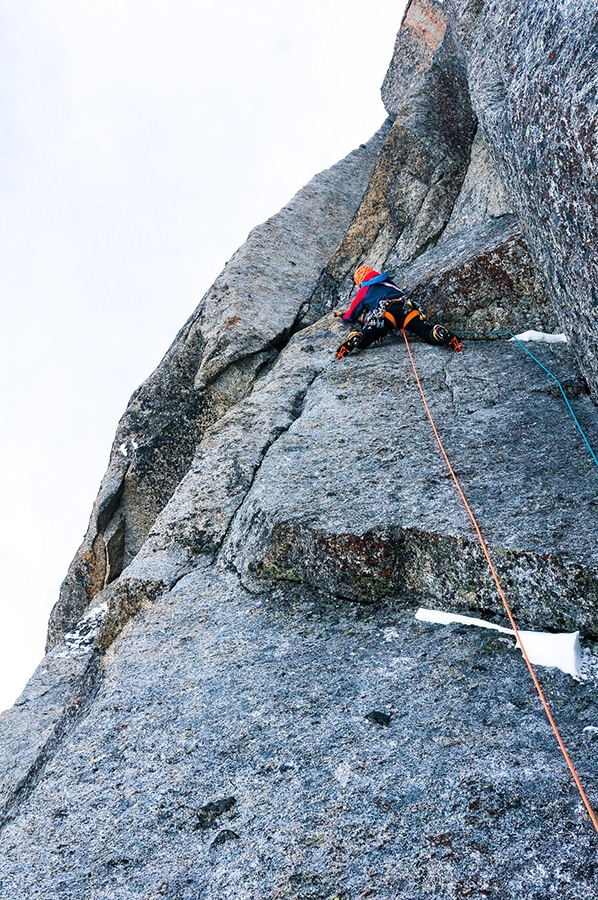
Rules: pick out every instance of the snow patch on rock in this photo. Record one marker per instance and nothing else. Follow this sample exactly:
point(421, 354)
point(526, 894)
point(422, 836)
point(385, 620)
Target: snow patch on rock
point(560, 651)
point(80, 638)
point(540, 336)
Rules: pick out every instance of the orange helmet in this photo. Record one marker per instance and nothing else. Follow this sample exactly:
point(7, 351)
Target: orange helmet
point(363, 273)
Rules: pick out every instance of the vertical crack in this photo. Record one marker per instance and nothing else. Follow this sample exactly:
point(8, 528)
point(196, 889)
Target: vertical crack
point(73, 713)
point(296, 413)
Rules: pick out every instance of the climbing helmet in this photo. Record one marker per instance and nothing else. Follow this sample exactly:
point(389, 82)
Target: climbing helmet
point(363, 273)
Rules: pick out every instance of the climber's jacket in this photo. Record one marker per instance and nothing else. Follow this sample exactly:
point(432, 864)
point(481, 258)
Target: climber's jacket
point(381, 308)
point(378, 288)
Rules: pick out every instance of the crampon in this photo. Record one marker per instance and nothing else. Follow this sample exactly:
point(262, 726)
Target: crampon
point(455, 344)
point(351, 342)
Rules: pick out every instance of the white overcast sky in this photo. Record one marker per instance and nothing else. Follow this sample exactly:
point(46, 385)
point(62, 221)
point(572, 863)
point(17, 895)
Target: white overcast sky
point(140, 141)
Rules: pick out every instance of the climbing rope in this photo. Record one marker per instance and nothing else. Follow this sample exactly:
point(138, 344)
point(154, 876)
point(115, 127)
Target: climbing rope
point(566, 399)
point(501, 593)
point(514, 337)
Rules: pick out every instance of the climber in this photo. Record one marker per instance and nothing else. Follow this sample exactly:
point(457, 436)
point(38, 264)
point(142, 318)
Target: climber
point(380, 308)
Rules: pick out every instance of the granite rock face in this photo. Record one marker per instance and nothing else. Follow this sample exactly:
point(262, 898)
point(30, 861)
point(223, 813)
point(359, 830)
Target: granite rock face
point(482, 197)
point(369, 511)
point(419, 37)
point(481, 279)
point(533, 81)
point(237, 700)
point(235, 333)
point(227, 752)
point(420, 170)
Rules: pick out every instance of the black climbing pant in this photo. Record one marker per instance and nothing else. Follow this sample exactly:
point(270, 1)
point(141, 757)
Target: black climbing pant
point(382, 322)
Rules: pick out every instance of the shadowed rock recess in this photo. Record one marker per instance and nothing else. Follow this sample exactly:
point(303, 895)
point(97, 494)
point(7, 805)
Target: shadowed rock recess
point(237, 701)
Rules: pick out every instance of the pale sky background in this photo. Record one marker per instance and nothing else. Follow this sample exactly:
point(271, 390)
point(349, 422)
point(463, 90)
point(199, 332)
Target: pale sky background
point(140, 142)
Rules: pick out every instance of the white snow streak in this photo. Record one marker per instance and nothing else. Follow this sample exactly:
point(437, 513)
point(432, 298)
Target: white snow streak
point(81, 637)
point(541, 336)
point(560, 651)
point(438, 617)
point(124, 449)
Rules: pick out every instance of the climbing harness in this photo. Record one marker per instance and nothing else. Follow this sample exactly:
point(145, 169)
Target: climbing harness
point(501, 593)
point(410, 315)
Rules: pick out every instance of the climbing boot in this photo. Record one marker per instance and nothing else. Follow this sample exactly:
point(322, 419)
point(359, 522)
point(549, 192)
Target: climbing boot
point(455, 344)
point(351, 342)
point(440, 335)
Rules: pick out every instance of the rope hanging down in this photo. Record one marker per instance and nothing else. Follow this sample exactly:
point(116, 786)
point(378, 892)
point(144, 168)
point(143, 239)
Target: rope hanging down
point(501, 594)
point(560, 386)
point(548, 372)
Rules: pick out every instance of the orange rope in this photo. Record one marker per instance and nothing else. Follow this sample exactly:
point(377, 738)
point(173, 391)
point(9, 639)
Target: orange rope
point(501, 593)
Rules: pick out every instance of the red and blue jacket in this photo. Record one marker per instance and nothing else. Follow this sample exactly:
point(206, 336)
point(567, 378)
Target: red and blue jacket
point(379, 287)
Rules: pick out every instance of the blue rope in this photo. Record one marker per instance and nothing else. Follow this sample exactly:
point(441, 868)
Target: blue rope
point(548, 372)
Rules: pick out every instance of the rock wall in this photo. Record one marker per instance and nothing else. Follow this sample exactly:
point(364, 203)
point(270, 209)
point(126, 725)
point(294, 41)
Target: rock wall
point(237, 700)
point(533, 81)
point(234, 335)
point(232, 749)
point(420, 170)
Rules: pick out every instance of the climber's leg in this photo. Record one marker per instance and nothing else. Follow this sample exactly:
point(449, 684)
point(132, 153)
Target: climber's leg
point(437, 335)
